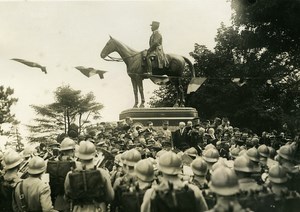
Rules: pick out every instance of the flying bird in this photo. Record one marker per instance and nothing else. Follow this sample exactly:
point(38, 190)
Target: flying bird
point(31, 64)
point(91, 71)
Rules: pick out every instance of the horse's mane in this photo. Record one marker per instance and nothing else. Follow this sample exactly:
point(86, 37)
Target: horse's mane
point(129, 49)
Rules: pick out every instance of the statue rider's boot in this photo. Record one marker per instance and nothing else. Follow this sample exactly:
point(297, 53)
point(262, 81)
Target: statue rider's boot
point(149, 67)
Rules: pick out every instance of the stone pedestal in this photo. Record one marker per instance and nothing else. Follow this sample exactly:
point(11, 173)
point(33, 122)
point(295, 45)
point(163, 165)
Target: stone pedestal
point(157, 115)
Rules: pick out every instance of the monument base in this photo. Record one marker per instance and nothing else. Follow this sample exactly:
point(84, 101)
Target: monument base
point(157, 115)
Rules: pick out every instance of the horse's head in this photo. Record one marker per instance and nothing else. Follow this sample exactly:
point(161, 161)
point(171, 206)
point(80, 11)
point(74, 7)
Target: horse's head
point(108, 48)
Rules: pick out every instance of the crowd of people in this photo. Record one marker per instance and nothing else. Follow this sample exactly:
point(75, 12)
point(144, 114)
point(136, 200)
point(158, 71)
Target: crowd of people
point(200, 166)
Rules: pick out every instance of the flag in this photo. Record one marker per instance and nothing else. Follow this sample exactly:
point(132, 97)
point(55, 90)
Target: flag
point(31, 64)
point(91, 71)
point(195, 83)
point(159, 80)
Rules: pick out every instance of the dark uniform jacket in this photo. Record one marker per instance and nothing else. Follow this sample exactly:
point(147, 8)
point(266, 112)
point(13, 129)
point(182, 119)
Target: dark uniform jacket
point(156, 49)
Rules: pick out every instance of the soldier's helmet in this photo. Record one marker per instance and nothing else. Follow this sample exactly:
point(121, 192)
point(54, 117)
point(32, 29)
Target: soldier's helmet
point(285, 152)
point(224, 182)
point(244, 164)
point(144, 170)
point(53, 143)
point(67, 144)
point(219, 163)
point(242, 152)
point(86, 150)
point(36, 165)
point(12, 159)
point(170, 163)
point(211, 155)
point(253, 154)
point(132, 157)
point(199, 167)
point(263, 151)
point(28, 151)
point(278, 174)
point(209, 146)
point(191, 152)
point(235, 152)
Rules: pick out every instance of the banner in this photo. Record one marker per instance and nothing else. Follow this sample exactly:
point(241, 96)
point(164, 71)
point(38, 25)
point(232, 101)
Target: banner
point(195, 83)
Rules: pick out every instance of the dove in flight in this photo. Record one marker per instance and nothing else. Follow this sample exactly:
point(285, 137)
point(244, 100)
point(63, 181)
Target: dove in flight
point(91, 71)
point(31, 64)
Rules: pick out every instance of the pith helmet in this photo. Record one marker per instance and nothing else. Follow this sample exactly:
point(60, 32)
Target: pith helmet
point(170, 163)
point(209, 146)
point(244, 164)
point(285, 152)
point(253, 154)
point(132, 157)
point(224, 182)
point(67, 144)
point(263, 151)
point(211, 155)
point(219, 163)
point(235, 152)
point(277, 174)
point(191, 152)
point(199, 167)
point(28, 151)
point(144, 170)
point(36, 165)
point(86, 150)
point(12, 159)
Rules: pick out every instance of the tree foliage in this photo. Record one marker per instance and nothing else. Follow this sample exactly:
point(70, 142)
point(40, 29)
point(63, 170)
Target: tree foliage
point(71, 108)
point(262, 48)
point(6, 102)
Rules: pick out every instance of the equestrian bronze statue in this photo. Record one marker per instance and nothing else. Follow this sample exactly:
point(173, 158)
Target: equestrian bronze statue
point(137, 69)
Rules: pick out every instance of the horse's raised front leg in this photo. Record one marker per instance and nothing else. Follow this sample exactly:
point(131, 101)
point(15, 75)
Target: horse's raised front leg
point(141, 89)
point(135, 91)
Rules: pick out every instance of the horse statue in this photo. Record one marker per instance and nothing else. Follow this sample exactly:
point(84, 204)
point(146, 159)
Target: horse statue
point(137, 70)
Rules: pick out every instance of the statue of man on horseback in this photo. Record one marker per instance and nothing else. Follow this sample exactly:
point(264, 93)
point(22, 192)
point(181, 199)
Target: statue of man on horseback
point(155, 52)
point(165, 67)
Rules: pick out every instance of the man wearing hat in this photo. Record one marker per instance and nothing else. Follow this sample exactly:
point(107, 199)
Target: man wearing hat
point(224, 184)
point(12, 163)
point(89, 188)
point(170, 165)
point(156, 49)
point(32, 194)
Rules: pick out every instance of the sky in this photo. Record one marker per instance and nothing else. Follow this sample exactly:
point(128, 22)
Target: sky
point(63, 35)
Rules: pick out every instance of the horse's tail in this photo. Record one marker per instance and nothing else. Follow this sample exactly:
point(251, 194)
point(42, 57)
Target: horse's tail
point(191, 67)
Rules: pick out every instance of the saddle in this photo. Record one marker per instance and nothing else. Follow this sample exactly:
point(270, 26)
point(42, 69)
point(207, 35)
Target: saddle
point(154, 60)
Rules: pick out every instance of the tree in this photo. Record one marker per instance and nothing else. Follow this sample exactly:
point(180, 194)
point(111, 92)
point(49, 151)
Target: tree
point(262, 49)
point(6, 102)
point(70, 107)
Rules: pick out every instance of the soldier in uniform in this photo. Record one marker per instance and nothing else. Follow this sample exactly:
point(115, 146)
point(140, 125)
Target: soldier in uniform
point(58, 170)
point(132, 197)
point(89, 188)
point(253, 196)
point(210, 156)
point(183, 196)
point(122, 184)
point(224, 184)
point(32, 194)
point(166, 132)
point(10, 178)
point(200, 169)
point(156, 49)
point(284, 199)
